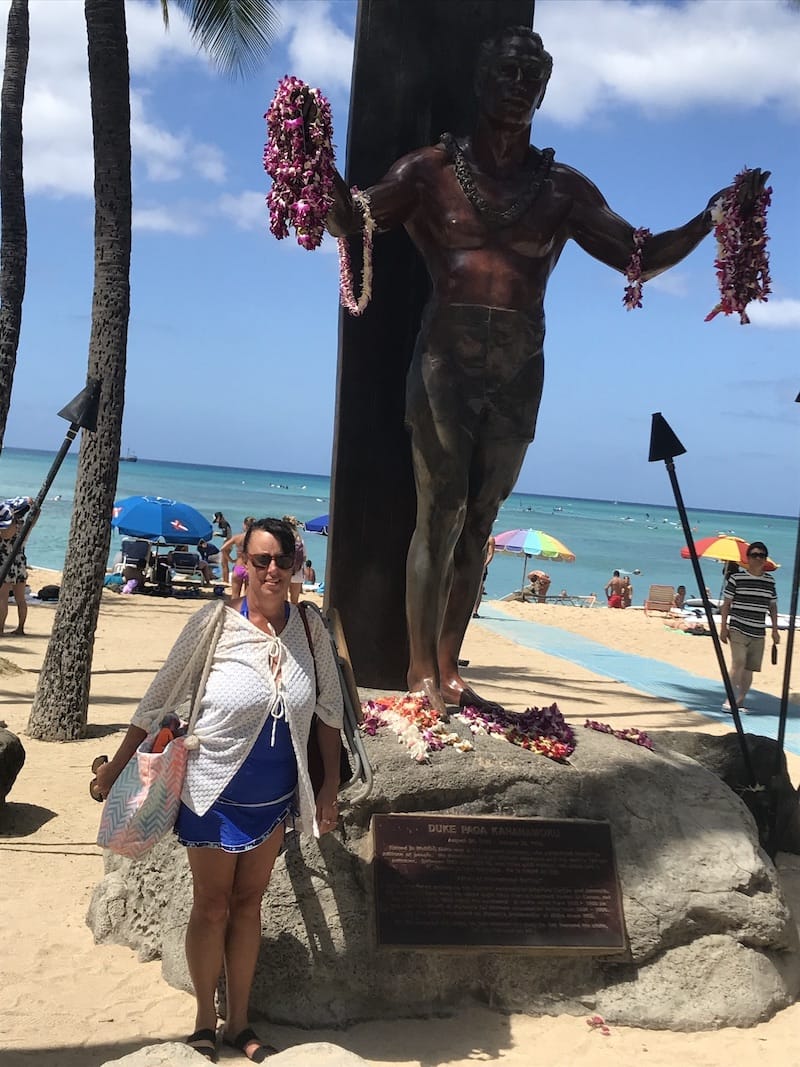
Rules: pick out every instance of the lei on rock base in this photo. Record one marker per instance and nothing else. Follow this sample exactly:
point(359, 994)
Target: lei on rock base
point(630, 733)
point(419, 727)
point(298, 156)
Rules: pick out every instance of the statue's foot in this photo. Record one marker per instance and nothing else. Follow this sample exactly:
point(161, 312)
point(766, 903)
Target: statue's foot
point(458, 693)
point(430, 689)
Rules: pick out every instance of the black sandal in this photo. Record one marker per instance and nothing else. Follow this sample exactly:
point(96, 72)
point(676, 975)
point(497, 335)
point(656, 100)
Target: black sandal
point(207, 1036)
point(247, 1037)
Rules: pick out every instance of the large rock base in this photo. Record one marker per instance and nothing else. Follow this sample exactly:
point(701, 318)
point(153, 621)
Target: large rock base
point(712, 941)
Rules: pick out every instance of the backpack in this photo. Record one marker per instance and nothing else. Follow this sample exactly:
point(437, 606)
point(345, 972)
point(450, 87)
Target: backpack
point(49, 592)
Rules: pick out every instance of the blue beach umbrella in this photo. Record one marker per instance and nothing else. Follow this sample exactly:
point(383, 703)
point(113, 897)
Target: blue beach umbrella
point(157, 517)
point(318, 525)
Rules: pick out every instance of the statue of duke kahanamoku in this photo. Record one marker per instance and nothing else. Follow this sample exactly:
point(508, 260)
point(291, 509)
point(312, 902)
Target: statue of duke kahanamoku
point(490, 215)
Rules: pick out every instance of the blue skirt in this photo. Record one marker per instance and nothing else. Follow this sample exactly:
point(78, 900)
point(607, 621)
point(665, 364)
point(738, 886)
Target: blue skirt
point(258, 798)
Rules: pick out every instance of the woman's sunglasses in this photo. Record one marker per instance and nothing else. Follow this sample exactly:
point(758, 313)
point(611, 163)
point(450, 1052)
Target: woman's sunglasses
point(263, 559)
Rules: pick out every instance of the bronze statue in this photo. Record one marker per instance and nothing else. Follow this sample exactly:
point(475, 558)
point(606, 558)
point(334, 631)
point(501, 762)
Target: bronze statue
point(490, 215)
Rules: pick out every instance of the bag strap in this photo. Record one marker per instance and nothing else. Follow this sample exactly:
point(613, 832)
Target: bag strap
point(302, 609)
point(214, 630)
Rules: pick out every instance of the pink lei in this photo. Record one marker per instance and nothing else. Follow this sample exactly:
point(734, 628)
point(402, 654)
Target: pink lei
point(742, 261)
point(298, 156)
point(633, 290)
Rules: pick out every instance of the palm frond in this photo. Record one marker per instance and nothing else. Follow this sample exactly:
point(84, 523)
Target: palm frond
point(237, 34)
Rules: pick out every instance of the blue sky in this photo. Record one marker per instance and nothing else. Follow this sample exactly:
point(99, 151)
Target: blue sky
point(233, 335)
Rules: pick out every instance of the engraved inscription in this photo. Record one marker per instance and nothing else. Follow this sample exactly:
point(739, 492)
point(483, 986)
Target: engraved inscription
point(496, 882)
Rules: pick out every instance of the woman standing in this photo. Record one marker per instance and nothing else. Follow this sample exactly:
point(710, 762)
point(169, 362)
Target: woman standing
point(249, 778)
point(11, 513)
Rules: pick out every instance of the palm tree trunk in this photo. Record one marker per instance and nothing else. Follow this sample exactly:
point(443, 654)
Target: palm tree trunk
point(59, 711)
point(13, 224)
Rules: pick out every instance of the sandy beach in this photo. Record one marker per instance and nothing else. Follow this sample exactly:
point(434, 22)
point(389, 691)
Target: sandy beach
point(71, 1003)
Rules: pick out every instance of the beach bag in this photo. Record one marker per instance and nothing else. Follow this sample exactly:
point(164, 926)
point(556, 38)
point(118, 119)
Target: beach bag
point(49, 592)
point(316, 768)
point(142, 804)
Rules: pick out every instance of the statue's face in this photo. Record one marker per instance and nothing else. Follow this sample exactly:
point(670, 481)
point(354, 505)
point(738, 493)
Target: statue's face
point(514, 84)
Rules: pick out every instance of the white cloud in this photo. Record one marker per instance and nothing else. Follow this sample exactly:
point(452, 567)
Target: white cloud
point(57, 115)
point(663, 57)
point(178, 220)
point(247, 211)
point(672, 282)
point(319, 51)
point(776, 314)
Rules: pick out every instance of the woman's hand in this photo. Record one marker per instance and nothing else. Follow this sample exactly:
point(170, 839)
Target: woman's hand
point(328, 808)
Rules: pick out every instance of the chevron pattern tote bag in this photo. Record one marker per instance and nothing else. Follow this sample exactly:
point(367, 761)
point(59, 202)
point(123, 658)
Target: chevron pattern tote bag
point(142, 804)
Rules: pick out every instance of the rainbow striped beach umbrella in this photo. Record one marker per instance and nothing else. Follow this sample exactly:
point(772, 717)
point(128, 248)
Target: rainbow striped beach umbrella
point(533, 544)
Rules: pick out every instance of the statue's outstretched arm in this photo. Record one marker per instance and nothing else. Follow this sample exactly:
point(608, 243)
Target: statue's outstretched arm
point(609, 238)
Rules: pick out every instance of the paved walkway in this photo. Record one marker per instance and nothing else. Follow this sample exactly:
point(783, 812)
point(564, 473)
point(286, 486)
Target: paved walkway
point(650, 676)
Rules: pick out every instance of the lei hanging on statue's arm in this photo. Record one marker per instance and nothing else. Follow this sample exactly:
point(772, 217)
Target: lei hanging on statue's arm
point(298, 156)
point(742, 261)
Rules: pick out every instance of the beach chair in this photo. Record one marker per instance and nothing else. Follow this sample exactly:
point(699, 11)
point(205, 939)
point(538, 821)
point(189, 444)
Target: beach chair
point(660, 598)
point(185, 569)
point(133, 551)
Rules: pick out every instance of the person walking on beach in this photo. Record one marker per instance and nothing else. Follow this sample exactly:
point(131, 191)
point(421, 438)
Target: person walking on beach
point(271, 682)
point(614, 591)
point(15, 582)
point(490, 214)
point(626, 592)
point(235, 544)
point(223, 526)
point(487, 559)
point(296, 584)
point(748, 597)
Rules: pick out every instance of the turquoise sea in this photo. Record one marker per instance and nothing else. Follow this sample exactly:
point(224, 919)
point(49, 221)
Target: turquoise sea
point(604, 535)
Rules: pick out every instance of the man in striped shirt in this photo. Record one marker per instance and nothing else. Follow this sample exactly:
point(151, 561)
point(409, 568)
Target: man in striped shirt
point(747, 598)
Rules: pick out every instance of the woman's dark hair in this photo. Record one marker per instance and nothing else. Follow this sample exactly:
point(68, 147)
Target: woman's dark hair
point(280, 530)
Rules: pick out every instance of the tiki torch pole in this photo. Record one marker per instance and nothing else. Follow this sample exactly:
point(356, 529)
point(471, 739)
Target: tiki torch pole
point(787, 666)
point(664, 445)
point(81, 413)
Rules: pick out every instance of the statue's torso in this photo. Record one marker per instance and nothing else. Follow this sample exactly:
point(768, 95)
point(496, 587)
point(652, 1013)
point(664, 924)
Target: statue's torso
point(474, 260)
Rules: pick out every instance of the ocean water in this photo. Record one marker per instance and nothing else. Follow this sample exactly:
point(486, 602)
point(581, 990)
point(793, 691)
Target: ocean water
point(604, 535)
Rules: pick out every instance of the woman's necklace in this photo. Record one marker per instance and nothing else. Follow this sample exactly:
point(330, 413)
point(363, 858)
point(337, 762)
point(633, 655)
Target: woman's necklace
point(515, 210)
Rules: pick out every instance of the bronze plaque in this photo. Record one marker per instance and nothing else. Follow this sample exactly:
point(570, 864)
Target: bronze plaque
point(454, 881)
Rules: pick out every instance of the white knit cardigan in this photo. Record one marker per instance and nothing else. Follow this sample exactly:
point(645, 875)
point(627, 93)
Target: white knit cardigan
point(238, 697)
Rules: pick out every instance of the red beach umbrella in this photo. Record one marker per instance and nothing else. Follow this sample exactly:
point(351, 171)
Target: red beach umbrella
point(725, 548)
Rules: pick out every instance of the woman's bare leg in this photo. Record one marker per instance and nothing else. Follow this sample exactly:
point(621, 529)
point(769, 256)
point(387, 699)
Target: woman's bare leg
point(213, 873)
point(5, 590)
point(243, 939)
point(22, 606)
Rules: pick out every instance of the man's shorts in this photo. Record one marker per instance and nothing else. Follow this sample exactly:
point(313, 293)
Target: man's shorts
point(478, 369)
point(746, 652)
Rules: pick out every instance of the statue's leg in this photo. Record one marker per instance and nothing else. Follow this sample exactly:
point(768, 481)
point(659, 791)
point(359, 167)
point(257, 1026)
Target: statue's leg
point(441, 423)
point(495, 469)
point(513, 376)
point(440, 474)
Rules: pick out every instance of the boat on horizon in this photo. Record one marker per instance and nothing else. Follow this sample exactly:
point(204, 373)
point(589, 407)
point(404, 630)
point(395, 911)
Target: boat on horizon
point(129, 457)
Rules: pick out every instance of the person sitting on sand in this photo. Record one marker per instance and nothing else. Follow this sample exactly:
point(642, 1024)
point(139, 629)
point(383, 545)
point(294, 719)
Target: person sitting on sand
point(271, 682)
point(680, 597)
point(540, 583)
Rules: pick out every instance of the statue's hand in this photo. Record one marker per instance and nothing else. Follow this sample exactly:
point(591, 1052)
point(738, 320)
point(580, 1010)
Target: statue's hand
point(751, 187)
point(310, 109)
point(748, 191)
